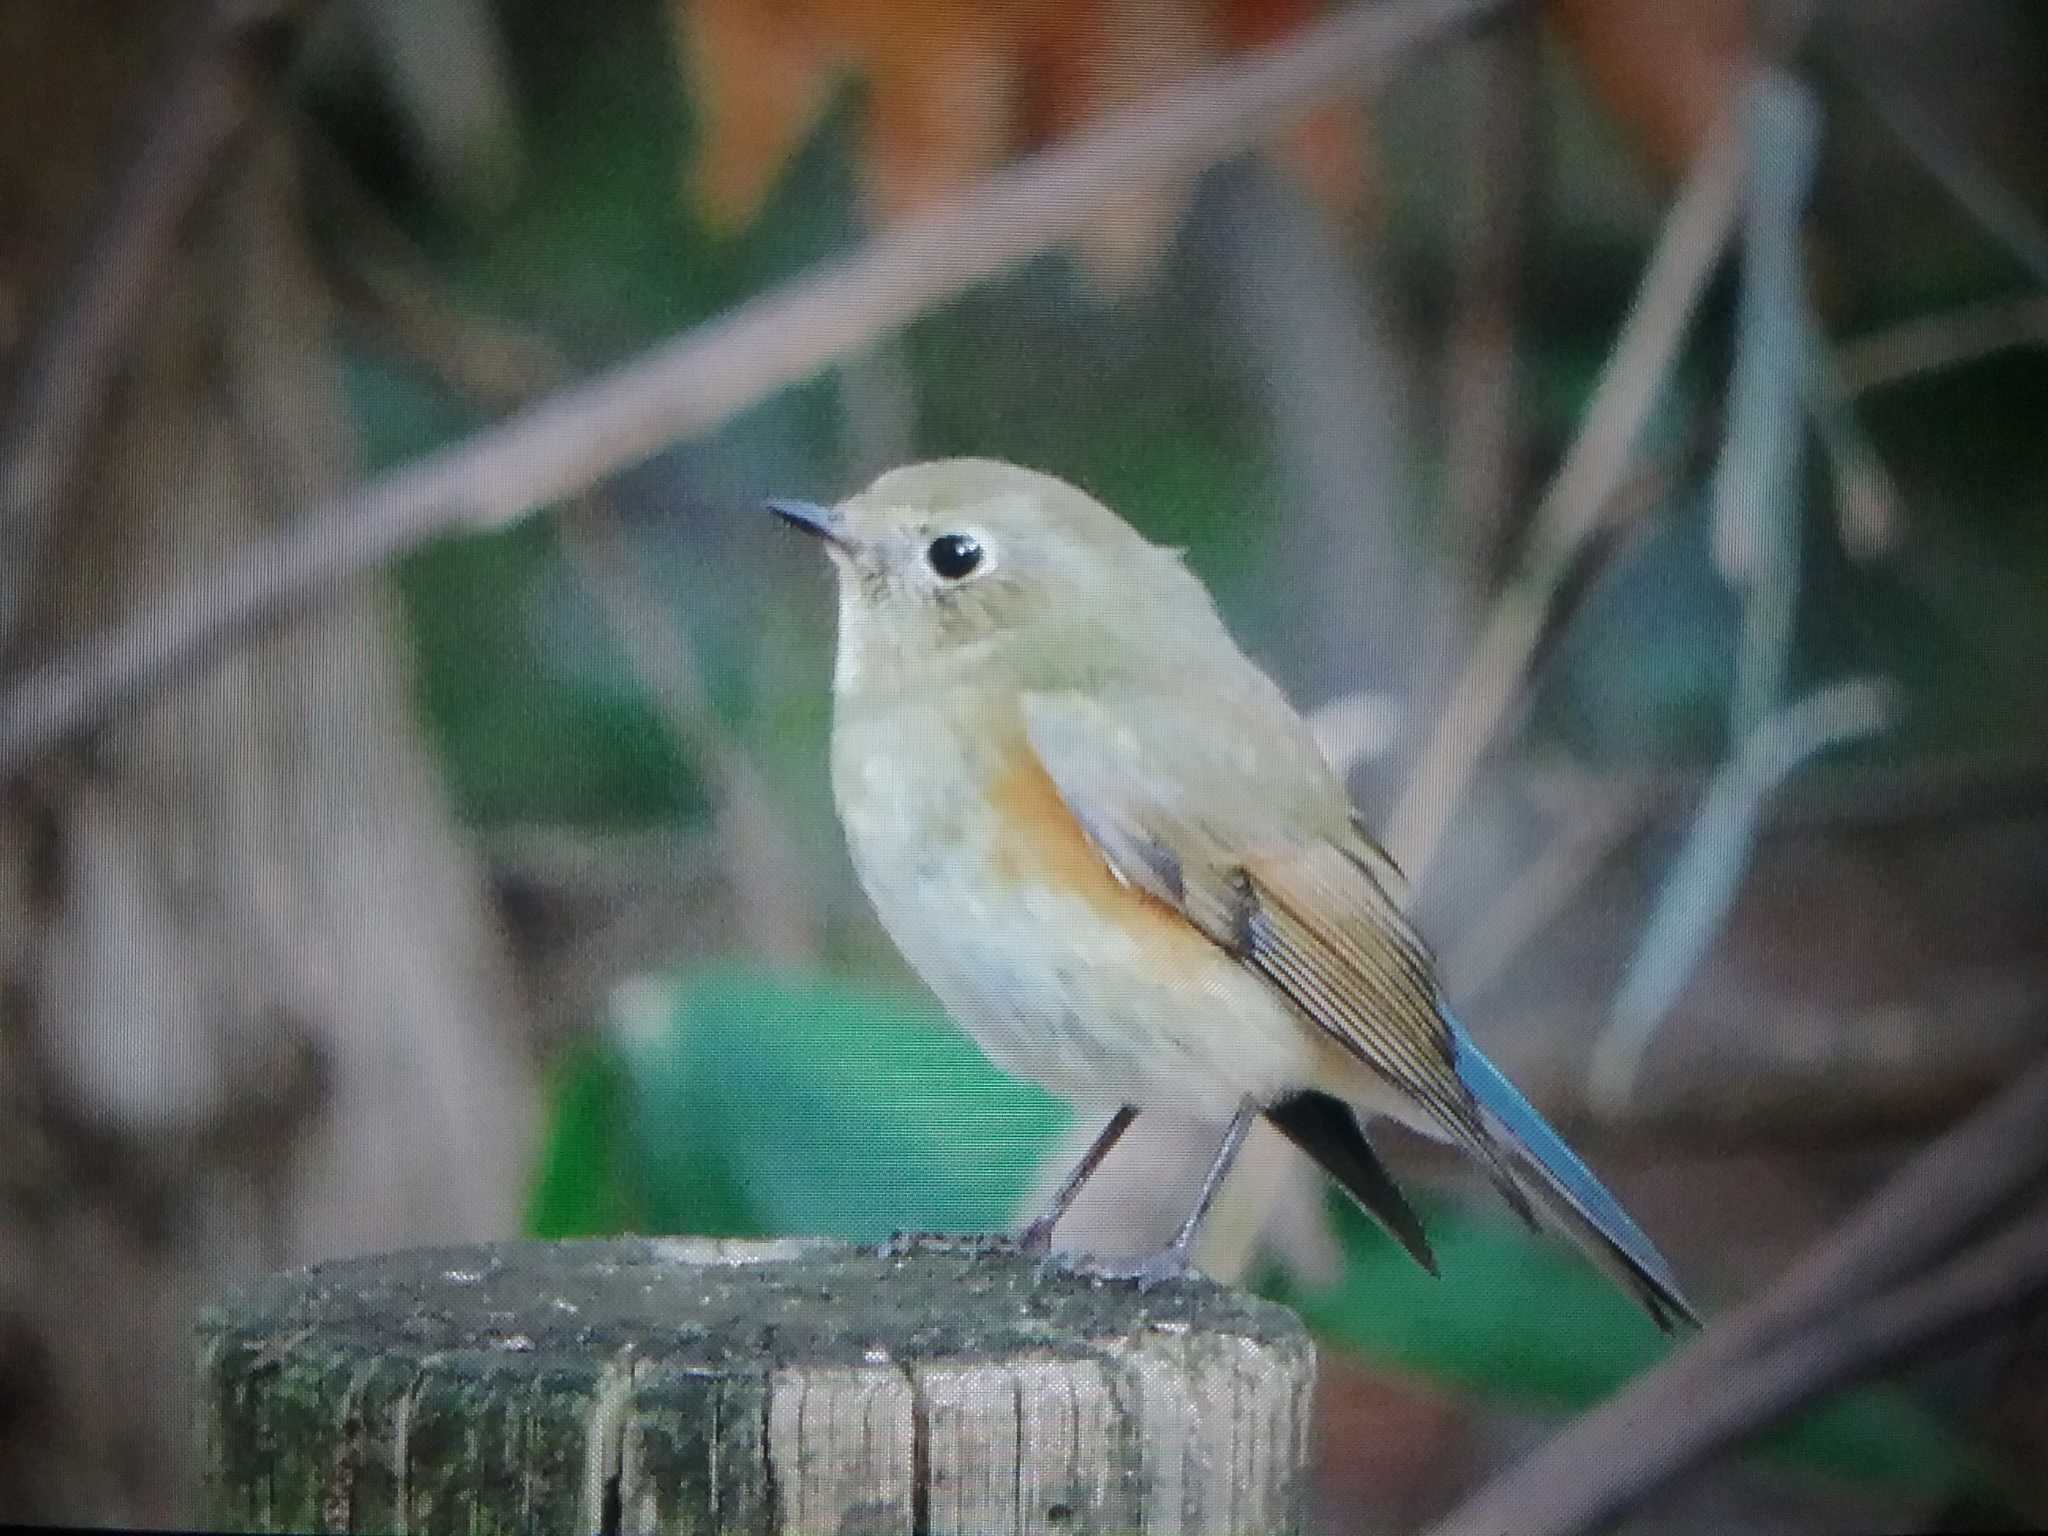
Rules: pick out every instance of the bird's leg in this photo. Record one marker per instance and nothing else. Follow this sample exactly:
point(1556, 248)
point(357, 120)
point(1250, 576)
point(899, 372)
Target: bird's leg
point(1173, 1261)
point(1037, 1236)
point(1240, 1126)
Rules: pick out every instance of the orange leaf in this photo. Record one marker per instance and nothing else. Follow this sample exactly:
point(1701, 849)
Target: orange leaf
point(941, 91)
point(1663, 69)
point(953, 86)
point(759, 74)
point(1328, 150)
point(1133, 49)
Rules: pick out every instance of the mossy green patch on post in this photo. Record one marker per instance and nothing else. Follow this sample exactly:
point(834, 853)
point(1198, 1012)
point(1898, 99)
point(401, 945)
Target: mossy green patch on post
point(688, 1385)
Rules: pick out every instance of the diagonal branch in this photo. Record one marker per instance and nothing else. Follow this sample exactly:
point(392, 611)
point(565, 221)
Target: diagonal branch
point(1954, 165)
point(1695, 232)
point(70, 362)
point(1969, 1293)
point(563, 444)
point(385, 281)
point(1875, 1276)
point(1944, 339)
point(763, 864)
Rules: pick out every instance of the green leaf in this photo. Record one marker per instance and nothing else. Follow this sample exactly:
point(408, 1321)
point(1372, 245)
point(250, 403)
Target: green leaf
point(772, 1103)
point(521, 737)
point(583, 1186)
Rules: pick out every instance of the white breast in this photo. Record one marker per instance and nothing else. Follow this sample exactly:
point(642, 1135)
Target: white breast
point(1047, 988)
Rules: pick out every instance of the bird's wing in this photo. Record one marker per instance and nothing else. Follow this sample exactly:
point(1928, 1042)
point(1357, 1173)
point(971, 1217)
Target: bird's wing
point(1270, 867)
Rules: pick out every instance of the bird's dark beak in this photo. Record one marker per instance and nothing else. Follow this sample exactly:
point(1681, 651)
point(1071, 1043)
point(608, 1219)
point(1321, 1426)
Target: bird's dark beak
point(820, 522)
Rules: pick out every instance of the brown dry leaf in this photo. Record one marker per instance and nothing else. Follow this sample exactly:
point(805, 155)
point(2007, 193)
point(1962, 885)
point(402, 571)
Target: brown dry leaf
point(1107, 54)
point(1330, 150)
point(941, 93)
point(955, 86)
point(1662, 69)
point(760, 74)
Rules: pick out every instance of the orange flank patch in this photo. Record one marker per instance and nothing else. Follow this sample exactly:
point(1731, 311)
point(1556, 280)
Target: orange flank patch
point(1040, 841)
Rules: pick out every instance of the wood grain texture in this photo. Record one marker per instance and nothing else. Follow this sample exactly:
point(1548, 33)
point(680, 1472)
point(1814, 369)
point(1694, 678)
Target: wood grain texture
point(685, 1385)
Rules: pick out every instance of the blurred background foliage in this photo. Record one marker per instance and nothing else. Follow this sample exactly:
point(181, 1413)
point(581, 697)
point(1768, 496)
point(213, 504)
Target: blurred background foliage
point(695, 1088)
point(651, 167)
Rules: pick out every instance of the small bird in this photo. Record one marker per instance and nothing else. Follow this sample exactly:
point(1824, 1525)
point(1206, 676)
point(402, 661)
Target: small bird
point(1111, 847)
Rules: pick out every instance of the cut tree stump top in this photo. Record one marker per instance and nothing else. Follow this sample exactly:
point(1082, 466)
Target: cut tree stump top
point(693, 1385)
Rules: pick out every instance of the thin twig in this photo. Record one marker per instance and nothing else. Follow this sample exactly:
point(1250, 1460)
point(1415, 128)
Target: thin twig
point(1592, 829)
point(1926, 1210)
point(70, 362)
point(1947, 339)
point(1757, 549)
point(1954, 165)
point(1976, 1290)
point(1695, 232)
point(503, 368)
point(1936, 1203)
point(1592, 825)
point(1499, 109)
point(1756, 477)
point(693, 383)
point(1701, 885)
point(1867, 501)
point(765, 870)
point(1980, 1287)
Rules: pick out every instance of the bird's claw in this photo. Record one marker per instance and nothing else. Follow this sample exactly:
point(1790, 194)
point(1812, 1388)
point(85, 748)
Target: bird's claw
point(1166, 1266)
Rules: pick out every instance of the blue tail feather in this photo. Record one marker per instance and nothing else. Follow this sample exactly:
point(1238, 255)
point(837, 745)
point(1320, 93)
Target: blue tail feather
point(1531, 1138)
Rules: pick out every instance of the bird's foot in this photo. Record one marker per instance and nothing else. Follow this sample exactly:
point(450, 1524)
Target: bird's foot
point(1005, 1245)
point(1166, 1266)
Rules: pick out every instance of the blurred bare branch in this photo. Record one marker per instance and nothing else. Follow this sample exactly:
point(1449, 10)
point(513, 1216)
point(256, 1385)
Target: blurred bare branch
point(1867, 513)
point(1756, 481)
point(1869, 502)
point(766, 869)
point(1955, 167)
point(1500, 98)
point(558, 447)
point(1597, 823)
point(445, 66)
point(1756, 546)
point(1703, 879)
point(1695, 232)
point(504, 368)
point(69, 364)
point(1873, 1291)
point(1981, 1287)
point(1947, 339)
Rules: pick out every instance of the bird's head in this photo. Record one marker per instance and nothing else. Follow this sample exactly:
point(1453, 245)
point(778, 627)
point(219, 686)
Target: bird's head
point(963, 564)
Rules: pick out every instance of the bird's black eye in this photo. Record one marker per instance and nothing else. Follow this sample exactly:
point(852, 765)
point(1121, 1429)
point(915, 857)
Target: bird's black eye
point(953, 555)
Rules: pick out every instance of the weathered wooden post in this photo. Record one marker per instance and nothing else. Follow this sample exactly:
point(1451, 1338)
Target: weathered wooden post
point(689, 1385)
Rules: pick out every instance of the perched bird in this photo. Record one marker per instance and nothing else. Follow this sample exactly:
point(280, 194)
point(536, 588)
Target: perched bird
point(1110, 846)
